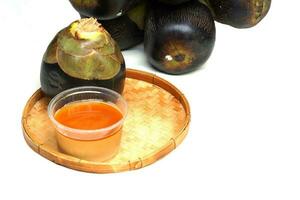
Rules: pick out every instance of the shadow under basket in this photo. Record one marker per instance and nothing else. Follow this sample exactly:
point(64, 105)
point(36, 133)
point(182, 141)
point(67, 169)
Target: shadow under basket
point(157, 122)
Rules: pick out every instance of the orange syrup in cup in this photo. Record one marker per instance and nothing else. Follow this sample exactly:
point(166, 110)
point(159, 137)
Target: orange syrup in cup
point(88, 122)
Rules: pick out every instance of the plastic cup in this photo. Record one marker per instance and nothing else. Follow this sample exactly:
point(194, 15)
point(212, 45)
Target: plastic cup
point(92, 145)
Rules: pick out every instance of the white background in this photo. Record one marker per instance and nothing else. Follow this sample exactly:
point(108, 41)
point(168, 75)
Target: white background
point(244, 141)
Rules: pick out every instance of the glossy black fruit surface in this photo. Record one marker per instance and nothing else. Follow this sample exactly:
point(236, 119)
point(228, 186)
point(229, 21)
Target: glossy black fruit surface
point(54, 80)
point(124, 31)
point(127, 30)
point(239, 13)
point(103, 9)
point(173, 2)
point(179, 39)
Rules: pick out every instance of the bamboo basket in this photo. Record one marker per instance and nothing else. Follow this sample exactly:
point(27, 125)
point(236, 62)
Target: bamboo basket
point(157, 122)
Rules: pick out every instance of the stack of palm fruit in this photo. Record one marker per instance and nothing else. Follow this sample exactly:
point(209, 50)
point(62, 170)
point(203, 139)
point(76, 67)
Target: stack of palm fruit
point(178, 36)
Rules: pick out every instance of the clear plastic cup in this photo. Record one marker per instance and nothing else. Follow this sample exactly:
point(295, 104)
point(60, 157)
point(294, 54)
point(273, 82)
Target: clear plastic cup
point(93, 145)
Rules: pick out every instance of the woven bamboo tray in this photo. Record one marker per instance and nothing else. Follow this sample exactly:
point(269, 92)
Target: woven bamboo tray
point(157, 122)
